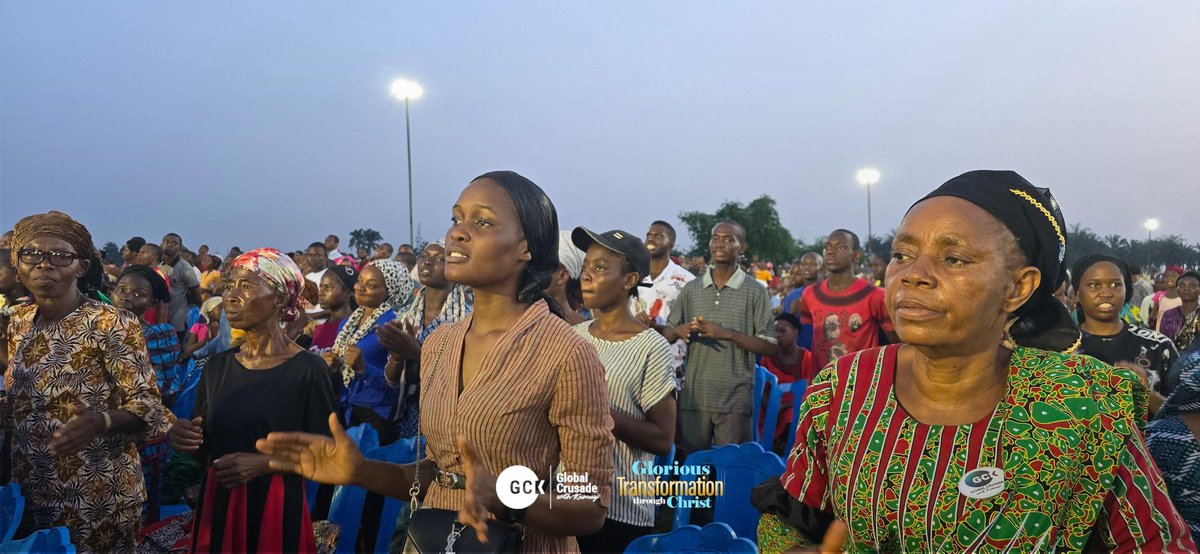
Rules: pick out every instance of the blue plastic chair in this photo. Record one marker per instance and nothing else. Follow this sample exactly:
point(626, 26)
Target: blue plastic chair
point(185, 401)
point(740, 467)
point(193, 316)
point(766, 387)
point(46, 541)
point(12, 507)
point(714, 537)
point(347, 505)
point(798, 389)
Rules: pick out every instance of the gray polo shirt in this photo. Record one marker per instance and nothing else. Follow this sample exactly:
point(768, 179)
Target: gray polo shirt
point(182, 279)
point(719, 376)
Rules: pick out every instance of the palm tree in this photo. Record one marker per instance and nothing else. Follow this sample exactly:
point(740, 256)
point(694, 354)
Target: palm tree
point(365, 238)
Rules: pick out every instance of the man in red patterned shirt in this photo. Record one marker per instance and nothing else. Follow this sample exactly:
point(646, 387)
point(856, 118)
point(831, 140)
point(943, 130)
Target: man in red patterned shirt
point(847, 313)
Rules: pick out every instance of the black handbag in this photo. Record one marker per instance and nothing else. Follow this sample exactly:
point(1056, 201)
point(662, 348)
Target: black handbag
point(434, 530)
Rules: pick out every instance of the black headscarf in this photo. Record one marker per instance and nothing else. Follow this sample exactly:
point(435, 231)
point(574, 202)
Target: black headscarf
point(1034, 218)
point(1087, 262)
point(539, 222)
point(346, 275)
point(158, 285)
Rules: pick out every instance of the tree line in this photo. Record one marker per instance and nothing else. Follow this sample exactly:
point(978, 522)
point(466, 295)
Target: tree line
point(769, 240)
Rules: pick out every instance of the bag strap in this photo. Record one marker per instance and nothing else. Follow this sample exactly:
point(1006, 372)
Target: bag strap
point(415, 489)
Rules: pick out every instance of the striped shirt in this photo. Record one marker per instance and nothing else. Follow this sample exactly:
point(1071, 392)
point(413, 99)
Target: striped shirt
point(1059, 460)
point(719, 376)
point(538, 399)
point(640, 374)
point(162, 344)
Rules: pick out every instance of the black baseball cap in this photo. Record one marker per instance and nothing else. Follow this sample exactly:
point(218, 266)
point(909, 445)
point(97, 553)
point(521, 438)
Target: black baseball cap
point(622, 242)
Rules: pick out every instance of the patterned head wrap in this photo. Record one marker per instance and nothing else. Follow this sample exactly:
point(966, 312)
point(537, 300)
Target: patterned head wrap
point(52, 224)
point(399, 286)
point(55, 224)
point(1032, 215)
point(280, 273)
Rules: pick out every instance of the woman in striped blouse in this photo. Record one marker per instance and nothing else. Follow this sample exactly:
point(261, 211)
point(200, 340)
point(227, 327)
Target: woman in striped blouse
point(639, 368)
point(512, 384)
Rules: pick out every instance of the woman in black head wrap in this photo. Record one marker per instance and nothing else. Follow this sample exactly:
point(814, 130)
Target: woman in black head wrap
point(977, 433)
point(1102, 283)
point(511, 384)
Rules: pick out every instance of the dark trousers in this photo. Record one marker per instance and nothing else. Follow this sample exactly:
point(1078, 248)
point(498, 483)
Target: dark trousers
point(388, 431)
point(613, 537)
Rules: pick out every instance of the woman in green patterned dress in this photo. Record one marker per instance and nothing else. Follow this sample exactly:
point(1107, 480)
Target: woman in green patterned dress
point(976, 433)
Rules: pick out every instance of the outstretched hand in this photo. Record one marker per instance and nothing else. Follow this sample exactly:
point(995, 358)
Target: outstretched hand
point(335, 461)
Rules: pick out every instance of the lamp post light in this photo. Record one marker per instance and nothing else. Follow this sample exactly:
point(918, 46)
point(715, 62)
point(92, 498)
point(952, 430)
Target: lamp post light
point(1151, 226)
point(868, 177)
point(406, 90)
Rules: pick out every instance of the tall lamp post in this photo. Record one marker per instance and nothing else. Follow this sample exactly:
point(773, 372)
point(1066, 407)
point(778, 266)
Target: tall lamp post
point(868, 177)
point(406, 90)
point(1151, 226)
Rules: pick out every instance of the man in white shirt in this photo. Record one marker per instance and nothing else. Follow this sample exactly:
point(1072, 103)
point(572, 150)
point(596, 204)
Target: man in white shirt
point(331, 247)
point(653, 304)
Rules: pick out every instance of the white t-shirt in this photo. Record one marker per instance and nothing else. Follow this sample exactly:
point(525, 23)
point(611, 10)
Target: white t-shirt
point(656, 301)
point(316, 276)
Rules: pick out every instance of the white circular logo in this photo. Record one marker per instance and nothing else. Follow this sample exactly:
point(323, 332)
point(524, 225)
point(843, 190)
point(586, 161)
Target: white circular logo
point(518, 487)
point(984, 482)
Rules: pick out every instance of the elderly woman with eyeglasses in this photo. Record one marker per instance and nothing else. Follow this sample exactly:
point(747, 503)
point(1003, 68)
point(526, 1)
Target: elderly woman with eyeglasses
point(81, 391)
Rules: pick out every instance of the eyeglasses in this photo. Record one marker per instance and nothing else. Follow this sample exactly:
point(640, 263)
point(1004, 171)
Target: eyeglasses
point(130, 291)
point(58, 258)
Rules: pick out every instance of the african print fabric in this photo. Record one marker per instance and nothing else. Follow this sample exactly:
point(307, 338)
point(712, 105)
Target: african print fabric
point(1058, 455)
point(96, 356)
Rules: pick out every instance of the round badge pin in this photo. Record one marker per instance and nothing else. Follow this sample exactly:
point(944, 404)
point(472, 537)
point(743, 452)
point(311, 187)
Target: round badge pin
point(983, 482)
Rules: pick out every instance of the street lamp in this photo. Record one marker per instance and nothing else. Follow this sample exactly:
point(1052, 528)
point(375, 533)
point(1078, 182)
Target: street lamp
point(1151, 226)
point(406, 90)
point(868, 177)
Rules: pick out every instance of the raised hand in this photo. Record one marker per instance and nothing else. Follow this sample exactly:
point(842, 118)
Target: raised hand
point(399, 340)
point(335, 461)
point(187, 436)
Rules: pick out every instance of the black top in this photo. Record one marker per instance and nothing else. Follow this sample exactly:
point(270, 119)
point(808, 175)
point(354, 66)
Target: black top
point(1151, 350)
point(242, 405)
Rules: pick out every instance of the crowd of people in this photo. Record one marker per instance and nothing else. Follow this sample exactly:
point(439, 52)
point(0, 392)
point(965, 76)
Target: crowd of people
point(968, 391)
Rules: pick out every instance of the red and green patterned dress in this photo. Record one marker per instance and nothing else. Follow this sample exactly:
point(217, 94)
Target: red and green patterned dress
point(1065, 439)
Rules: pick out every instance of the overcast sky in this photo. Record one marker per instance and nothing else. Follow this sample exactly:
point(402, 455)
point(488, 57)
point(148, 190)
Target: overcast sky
point(269, 123)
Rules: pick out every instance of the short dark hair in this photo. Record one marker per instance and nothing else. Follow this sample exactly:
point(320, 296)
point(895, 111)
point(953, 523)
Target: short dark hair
point(1135, 269)
point(1189, 275)
point(738, 226)
point(853, 238)
point(667, 225)
point(320, 245)
point(176, 235)
point(791, 319)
